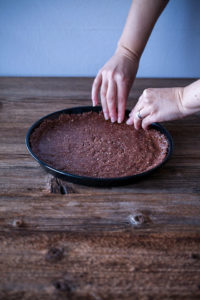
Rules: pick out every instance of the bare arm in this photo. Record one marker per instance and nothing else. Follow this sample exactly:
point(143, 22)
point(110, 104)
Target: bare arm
point(141, 19)
point(115, 78)
point(191, 98)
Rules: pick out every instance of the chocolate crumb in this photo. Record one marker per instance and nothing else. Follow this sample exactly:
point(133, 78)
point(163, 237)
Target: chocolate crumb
point(85, 144)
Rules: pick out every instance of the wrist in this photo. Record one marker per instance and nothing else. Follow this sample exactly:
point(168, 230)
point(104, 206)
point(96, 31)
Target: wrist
point(133, 56)
point(191, 98)
point(179, 91)
point(182, 102)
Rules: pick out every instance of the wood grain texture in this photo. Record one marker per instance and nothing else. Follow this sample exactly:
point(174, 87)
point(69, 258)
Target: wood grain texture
point(28, 99)
point(97, 213)
point(59, 240)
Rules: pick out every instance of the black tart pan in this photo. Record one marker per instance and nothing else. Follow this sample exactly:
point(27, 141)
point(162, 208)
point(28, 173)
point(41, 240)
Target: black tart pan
point(94, 181)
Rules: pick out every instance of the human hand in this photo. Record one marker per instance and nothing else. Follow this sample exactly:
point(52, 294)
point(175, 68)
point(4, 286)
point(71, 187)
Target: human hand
point(157, 105)
point(114, 81)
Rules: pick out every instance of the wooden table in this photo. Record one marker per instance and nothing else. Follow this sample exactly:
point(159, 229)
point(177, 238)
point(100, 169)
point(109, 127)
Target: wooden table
point(64, 241)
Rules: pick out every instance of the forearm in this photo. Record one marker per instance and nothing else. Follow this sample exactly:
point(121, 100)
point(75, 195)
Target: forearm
point(190, 100)
point(141, 19)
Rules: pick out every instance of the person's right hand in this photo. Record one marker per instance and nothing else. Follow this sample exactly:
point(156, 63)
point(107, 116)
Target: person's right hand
point(113, 82)
point(158, 105)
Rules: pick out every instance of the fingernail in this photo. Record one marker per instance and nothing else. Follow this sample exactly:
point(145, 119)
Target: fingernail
point(113, 119)
point(119, 120)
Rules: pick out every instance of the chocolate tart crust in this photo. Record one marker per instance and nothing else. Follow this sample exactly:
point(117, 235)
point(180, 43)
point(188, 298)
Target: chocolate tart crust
point(87, 145)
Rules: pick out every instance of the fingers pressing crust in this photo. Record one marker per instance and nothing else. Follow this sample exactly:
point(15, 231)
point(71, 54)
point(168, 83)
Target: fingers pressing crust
point(144, 113)
point(114, 81)
point(111, 100)
point(103, 92)
point(122, 94)
point(147, 121)
point(146, 109)
point(95, 89)
point(134, 111)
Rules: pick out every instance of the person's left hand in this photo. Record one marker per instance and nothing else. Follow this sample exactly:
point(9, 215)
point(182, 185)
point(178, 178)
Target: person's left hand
point(157, 105)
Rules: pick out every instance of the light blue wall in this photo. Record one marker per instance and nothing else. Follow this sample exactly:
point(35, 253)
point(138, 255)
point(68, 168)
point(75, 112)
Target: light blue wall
point(76, 37)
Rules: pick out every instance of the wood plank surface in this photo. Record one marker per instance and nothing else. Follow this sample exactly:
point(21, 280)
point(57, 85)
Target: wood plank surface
point(59, 240)
point(81, 213)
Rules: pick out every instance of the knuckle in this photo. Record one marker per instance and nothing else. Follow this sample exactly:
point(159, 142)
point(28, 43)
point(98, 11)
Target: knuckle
point(104, 72)
point(147, 100)
point(111, 98)
point(121, 110)
point(147, 92)
point(121, 100)
point(103, 93)
point(120, 77)
point(110, 74)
